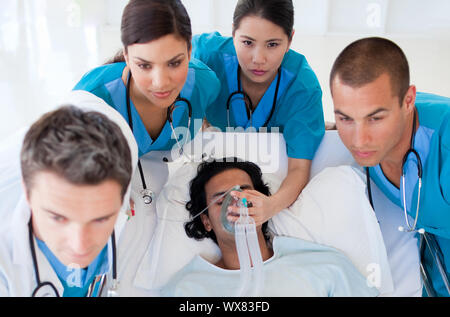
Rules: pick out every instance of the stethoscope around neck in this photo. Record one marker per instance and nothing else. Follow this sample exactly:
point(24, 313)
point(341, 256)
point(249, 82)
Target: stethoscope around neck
point(147, 194)
point(411, 150)
point(48, 289)
point(427, 240)
point(248, 102)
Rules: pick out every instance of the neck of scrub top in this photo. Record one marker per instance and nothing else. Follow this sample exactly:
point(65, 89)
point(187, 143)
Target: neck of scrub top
point(254, 90)
point(153, 117)
point(76, 281)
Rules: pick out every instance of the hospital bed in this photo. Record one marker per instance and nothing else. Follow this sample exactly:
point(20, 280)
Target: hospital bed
point(169, 249)
point(159, 226)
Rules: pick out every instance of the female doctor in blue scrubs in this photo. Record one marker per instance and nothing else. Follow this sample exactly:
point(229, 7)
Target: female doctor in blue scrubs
point(157, 69)
point(283, 90)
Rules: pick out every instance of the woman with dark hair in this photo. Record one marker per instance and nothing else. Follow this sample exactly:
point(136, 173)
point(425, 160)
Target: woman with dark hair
point(278, 89)
point(153, 73)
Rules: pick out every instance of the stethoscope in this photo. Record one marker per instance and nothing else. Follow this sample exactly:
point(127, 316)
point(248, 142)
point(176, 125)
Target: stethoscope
point(426, 240)
point(248, 102)
point(47, 289)
point(411, 150)
point(147, 194)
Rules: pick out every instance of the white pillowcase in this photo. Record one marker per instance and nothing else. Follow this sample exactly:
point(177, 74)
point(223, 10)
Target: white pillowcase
point(171, 249)
point(333, 210)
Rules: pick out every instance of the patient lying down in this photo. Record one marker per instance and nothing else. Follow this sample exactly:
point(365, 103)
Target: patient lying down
point(292, 266)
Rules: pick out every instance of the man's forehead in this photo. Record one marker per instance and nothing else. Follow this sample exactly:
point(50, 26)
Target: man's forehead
point(365, 100)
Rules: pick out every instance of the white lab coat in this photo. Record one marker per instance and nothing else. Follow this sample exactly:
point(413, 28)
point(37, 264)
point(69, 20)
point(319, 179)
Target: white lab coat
point(135, 259)
point(17, 275)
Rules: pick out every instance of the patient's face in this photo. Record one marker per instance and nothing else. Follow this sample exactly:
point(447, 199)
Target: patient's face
point(74, 221)
point(216, 187)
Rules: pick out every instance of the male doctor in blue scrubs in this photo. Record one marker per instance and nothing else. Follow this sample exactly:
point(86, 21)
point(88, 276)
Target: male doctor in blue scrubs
point(380, 117)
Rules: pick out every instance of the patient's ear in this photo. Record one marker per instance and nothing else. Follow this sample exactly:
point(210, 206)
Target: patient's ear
point(206, 222)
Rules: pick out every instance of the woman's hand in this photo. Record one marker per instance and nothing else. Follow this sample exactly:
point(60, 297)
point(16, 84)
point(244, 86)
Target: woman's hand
point(260, 207)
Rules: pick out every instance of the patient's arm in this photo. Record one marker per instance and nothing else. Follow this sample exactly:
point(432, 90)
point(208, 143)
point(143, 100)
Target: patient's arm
point(265, 207)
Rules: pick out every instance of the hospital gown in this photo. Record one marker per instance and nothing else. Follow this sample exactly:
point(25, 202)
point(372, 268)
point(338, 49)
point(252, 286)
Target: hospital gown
point(297, 268)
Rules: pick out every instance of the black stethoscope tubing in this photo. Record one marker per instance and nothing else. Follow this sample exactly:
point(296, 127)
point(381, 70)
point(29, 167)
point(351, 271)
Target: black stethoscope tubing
point(405, 158)
point(249, 104)
point(169, 118)
point(426, 240)
point(40, 284)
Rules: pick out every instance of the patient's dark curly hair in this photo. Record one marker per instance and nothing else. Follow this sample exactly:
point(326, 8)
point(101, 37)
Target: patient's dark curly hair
point(207, 170)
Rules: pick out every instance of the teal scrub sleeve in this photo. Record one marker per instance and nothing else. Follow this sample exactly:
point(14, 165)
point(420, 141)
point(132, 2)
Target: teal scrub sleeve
point(94, 80)
point(305, 128)
point(204, 44)
point(208, 86)
point(445, 171)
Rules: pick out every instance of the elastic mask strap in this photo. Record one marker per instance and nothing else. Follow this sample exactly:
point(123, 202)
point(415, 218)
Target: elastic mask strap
point(236, 187)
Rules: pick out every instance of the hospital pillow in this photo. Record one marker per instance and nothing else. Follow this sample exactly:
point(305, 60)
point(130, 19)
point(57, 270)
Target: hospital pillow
point(333, 210)
point(171, 249)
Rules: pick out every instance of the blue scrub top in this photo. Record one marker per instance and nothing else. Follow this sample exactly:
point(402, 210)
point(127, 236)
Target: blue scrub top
point(76, 282)
point(432, 142)
point(298, 111)
point(201, 89)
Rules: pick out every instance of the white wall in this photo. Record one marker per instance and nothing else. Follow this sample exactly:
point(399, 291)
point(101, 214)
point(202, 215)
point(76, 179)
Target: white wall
point(47, 45)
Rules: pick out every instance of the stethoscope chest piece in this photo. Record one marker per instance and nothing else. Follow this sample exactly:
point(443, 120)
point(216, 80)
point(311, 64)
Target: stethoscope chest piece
point(148, 196)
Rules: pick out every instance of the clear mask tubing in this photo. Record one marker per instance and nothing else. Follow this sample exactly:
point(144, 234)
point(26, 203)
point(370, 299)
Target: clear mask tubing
point(247, 246)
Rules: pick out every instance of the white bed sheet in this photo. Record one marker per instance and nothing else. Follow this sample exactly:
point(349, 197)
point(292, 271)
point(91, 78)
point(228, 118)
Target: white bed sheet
point(170, 249)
